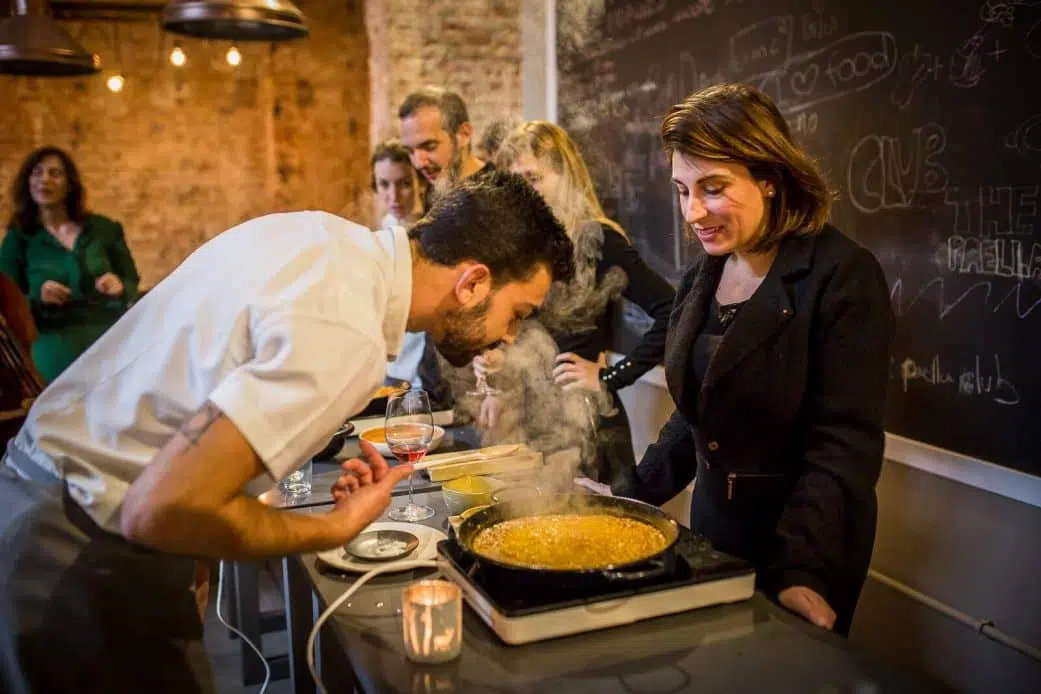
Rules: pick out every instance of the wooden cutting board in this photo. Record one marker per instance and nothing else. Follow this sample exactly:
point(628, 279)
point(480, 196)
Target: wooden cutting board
point(521, 460)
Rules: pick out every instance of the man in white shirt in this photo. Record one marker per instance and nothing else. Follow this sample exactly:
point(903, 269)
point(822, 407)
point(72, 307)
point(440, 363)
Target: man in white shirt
point(241, 363)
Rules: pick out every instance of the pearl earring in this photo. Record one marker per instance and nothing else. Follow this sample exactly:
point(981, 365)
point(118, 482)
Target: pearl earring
point(769, 193)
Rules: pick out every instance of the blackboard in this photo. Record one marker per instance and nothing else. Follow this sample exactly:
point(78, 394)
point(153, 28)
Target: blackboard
point(925, 116)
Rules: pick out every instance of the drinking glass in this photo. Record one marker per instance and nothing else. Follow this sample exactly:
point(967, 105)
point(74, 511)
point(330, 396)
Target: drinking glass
point(298, 482)
point(409, 429)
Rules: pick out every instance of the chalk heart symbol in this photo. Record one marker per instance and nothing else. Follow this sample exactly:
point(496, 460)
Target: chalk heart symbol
point(803, 80)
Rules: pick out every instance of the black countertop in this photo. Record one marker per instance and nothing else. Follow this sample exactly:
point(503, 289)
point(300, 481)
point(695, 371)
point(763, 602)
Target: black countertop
point(752, 646)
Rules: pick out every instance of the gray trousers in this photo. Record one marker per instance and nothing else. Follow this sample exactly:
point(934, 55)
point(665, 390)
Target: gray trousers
point(83, 610)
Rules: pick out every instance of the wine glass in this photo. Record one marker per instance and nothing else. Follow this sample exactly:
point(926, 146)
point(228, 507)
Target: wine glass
point(409, 429)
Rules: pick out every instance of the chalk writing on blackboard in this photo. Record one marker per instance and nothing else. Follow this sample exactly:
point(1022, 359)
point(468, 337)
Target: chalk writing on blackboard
point(982, 378)
point(995, 210)
point(887, 172)
point(936, 289)
point(1023, 297)
point(1026, 138)
point(848, 65)
point(996, 257)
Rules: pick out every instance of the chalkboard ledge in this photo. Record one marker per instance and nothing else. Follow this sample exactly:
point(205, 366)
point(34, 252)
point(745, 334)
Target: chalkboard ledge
point(974, 472)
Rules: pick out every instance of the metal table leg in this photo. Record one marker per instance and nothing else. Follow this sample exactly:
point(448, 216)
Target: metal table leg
point(300, 617)
point(249, 620)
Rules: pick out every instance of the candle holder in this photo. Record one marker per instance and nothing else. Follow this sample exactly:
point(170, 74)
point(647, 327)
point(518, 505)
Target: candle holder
point(432, 621)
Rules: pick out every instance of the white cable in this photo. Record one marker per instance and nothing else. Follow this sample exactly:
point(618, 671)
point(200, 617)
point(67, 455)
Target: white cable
point(395, 566)
point(220, 618)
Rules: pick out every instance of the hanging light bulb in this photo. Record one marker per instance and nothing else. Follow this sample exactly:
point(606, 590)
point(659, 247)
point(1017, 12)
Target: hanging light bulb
point(233, 56)
point(115, 83)
point(177, 57)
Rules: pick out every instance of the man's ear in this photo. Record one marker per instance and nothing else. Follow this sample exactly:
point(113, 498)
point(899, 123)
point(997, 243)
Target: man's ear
point(464, 134)
point(473, 284)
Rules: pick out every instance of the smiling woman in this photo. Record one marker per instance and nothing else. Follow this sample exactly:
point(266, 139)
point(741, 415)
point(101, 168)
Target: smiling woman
point(73, 266)
point(777, 358)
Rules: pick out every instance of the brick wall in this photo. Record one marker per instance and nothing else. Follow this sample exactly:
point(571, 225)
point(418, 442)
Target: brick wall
point(183, 153)
point(471, 46)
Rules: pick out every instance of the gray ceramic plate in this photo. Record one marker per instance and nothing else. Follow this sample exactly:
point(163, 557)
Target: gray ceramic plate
point(382, 545)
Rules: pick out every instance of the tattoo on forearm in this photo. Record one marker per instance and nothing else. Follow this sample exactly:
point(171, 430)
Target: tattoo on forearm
point(200, 422)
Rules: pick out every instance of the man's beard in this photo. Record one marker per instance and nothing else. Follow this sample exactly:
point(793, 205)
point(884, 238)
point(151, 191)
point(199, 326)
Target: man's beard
point(455, 165)
point(464, 335)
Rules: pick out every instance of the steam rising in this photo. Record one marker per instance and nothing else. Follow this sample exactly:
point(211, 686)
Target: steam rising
point(576, 307)
point(535, 410)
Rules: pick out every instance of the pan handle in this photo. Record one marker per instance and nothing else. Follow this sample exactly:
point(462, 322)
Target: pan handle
point(657, 568)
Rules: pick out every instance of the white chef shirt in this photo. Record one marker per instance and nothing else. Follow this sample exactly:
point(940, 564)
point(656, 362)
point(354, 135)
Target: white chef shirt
point(406, 366)
point(285, 323)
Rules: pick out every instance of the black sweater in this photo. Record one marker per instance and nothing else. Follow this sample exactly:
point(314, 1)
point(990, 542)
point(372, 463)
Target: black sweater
point(645, 288)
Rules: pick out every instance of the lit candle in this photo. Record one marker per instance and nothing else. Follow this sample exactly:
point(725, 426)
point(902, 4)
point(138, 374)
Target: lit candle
point(432, 621)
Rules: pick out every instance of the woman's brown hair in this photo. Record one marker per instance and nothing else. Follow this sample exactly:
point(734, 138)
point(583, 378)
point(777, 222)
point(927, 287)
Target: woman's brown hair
point(390, 150)
point(738, 123)
point(26, 213)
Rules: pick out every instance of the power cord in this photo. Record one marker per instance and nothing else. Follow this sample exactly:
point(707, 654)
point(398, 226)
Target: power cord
point(335, 605)
point(220, 618)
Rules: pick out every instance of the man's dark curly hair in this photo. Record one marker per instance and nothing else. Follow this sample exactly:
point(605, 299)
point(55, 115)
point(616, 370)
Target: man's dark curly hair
point(496, 219)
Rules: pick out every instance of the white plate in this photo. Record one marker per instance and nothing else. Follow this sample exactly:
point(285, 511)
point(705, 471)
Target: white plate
point(439, 436)
point(427, 549)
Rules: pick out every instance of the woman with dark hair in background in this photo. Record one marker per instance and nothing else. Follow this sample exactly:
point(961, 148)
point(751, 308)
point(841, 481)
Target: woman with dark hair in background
point(74, 266)
point(579, 316)
point(777, 359)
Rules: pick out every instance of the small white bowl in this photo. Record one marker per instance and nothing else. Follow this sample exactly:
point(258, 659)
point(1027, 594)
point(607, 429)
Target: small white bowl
point(376, 438)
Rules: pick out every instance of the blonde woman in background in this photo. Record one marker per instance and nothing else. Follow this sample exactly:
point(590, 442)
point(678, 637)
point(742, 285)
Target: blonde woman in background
point(579, 316)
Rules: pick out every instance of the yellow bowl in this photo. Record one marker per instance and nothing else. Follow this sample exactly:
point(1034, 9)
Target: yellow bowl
point(466, 492)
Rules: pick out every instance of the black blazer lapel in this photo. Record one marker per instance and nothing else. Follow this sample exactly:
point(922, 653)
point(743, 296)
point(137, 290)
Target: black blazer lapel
point(687, 317)
point(766, 312)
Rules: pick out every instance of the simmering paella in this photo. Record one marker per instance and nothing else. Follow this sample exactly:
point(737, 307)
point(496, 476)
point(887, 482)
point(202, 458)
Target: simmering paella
point(570, 541)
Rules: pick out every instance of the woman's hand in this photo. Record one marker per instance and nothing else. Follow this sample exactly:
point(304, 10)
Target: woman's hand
point(573, 372)
point(491, 409)
point(808, 604)
point(489, 362)
point(54, 293)
point(109, 284)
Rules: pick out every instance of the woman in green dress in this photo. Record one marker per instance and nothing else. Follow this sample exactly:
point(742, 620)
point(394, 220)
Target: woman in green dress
point(73, 266)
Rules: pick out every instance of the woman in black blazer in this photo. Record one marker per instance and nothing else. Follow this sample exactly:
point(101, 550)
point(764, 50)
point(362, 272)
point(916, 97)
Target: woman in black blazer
point(777, 357)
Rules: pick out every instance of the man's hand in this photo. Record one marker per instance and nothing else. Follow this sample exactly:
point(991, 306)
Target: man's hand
point(357, 473)
point(808, 604)
point(363, 492)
